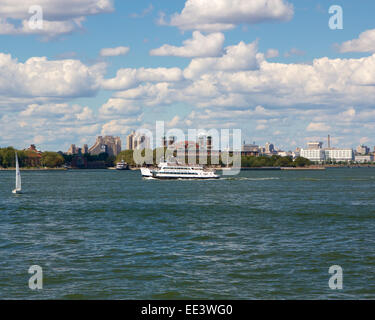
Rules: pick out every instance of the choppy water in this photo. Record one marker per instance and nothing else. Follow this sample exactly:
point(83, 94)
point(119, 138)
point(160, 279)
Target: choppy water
point(261, 235)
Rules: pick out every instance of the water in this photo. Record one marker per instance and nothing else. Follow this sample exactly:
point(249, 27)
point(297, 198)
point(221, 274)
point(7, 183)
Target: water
point(260, 235)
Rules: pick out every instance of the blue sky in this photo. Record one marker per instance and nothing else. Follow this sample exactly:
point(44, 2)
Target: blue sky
point(315, 81)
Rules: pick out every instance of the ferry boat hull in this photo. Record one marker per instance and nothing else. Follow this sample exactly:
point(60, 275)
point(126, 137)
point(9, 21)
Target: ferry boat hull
point(175, 171)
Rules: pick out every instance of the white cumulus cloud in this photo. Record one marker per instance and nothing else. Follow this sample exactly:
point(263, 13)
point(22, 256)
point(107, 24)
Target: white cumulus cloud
point(214, 15)
point(365, 43)
point(59, 17)
point(199, 46)
point(113, 52)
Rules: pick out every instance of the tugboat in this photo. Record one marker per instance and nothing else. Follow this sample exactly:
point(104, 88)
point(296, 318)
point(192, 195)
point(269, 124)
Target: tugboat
point(174, 170)
point(122, 165)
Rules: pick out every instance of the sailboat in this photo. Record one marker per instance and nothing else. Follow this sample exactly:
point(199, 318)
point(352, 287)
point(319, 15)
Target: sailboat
point(18, 178)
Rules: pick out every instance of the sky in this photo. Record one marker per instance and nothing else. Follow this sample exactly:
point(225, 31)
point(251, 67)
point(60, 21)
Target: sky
point(273, 68)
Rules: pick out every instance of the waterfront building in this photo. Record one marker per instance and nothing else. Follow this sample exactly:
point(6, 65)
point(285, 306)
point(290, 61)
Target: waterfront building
point(107, 144)
point(34, 156)
point(339, 155)
point(314, 152)
point(249, 149)
point(315, 155)
point(364, 158)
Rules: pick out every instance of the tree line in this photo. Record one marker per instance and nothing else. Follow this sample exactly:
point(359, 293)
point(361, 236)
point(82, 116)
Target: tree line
point(30, 159)
point(246, 161)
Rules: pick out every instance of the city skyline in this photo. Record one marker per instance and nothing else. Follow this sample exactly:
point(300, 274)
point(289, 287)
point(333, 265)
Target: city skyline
point(282, 75)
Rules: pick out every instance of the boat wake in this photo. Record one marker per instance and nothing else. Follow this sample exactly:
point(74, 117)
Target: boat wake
point(250, 179)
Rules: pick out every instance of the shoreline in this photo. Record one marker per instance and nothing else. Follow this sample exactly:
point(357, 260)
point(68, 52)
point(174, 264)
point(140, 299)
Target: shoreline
point(214, 168)
point(33, 169)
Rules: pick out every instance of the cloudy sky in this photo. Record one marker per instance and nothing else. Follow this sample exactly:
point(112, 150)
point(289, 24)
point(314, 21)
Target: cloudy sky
point(272, 68)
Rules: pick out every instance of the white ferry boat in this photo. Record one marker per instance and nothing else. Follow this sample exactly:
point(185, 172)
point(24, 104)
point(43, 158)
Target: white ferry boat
point(122, 165)
point(174, 170)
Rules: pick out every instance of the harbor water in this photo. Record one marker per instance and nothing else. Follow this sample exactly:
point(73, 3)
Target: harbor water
point(106, 234)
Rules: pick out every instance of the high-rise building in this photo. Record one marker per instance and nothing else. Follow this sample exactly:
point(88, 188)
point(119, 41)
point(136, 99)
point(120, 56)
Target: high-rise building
point(107, 144)
point(136, 141)
point(72, 150)
point(85, 149)
point(362, 149)
point(129, 141)
point(269, 148)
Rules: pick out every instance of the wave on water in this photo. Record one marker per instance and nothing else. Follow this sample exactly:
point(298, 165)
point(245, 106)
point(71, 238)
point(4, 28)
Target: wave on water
point(251, 179)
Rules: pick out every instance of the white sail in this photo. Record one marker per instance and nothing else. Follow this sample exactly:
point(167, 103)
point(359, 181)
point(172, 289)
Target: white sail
point(18, 175)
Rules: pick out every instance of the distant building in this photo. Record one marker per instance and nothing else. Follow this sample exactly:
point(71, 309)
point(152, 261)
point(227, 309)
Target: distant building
point(364, 158)
point(167, 142)
point(362, 149)
point(85, 149)
point(72, 150)
point(339, 155)
point(316, 153)
point(107, 144)
point(129, 141)
point(314, 145)
point(136, 141)
point(250, 150)
point(34, 156)
point(269, 148)
point(284, 154)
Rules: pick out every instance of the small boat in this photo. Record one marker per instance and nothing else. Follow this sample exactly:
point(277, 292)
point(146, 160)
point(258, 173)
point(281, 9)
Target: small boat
point(174, 170)
point(18, 178)
point(122, 165)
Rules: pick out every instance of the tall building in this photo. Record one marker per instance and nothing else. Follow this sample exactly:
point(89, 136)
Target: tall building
point(141, 141)
point(269, 148)
point(362, 149)
point(72, 150)
point(85, 149)
point(108, 144)
point(129, 141)
point(136, 141)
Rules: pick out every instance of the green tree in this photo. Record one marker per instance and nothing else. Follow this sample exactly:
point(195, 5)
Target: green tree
point(127, 156)
point(52, 159)
point(302, 162)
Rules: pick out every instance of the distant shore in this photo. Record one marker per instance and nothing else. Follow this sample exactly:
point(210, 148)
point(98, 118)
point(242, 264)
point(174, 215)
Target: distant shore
point(313, 167)
point(32, 169)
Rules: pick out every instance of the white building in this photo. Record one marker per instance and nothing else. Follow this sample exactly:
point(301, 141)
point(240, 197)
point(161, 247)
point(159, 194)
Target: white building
point(315, 155)
point(339, 155)
point(364, 158)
